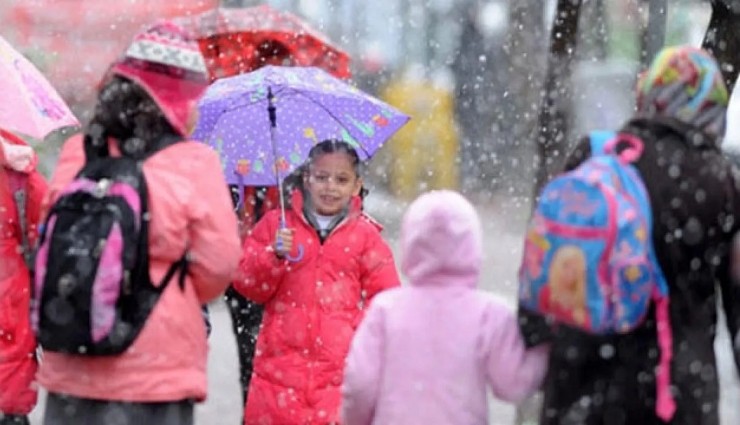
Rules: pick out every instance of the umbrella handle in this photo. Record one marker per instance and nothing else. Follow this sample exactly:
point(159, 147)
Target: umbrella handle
point(298, 257)
point(279, 246)
point(273, 125)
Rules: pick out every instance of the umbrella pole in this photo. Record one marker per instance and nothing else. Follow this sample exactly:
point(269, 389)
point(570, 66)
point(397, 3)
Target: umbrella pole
point(273, 130)
point(273, 140)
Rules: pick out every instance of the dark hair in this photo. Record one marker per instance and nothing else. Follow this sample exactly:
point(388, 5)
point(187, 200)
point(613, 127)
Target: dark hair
point(126, 112)
point(328, 146)
point(333, 146)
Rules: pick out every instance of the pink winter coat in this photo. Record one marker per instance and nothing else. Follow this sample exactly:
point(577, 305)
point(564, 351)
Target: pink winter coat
point(425, 353)
point(190, 209)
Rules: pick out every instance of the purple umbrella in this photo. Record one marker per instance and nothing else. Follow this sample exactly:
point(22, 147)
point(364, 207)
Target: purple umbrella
point(263, 123)
point(310, 105)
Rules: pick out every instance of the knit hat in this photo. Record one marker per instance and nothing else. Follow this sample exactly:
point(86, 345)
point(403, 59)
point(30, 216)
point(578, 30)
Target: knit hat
point(685, 83)
point(166, 62)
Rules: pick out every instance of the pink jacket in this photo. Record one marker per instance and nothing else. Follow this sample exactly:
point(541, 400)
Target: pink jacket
point(426, 353)
point(190, 209)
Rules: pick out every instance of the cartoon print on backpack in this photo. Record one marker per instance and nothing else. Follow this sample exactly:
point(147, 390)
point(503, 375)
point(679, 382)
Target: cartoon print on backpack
point(537, 247)
point(565, 295)
point(602, 274)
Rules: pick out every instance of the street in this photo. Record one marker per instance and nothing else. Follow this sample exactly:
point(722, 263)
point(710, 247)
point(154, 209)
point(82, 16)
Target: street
point(503, 224)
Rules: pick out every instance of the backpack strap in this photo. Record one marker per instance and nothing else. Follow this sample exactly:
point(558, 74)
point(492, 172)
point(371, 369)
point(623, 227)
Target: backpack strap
point(598, 140)
point(181, 266)
point(163, 142)
point(19, 189)
point(603, 143)
point(207, 319)
point(606, 142)
point(95, 147)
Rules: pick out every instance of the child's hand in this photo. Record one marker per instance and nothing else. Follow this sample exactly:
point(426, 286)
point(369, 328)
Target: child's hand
point(282, 248)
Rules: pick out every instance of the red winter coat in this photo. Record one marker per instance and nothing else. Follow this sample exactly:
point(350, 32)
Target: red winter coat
point(312, 308)
point(17, 342)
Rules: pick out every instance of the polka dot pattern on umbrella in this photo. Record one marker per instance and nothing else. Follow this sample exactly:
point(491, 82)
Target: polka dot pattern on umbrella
point(230, 38)
point(311, 105)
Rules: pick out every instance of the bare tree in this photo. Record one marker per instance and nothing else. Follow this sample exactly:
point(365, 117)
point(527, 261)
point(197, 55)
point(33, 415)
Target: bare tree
point(653, 35)
point(555, 109)
point(593, 42)
point(722, 38)
point(471, 103)
point(524, 50)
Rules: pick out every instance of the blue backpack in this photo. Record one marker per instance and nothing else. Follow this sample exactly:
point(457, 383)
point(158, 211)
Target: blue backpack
point(589, 262)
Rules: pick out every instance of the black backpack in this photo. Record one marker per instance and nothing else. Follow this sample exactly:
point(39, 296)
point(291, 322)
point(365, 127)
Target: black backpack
point(92, 290)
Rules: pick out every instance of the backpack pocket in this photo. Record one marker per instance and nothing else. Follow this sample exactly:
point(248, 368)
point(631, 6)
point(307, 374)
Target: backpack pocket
point(564, 272)
point(632, 292)
point(107, 285)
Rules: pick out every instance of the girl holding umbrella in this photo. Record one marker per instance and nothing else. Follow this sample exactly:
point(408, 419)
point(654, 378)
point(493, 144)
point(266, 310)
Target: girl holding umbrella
point(313, 304)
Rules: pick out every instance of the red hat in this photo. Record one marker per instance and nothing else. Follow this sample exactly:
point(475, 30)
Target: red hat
point(166, 62)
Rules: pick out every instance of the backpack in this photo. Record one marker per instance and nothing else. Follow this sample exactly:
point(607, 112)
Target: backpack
point(589, 262)
point(92, 290)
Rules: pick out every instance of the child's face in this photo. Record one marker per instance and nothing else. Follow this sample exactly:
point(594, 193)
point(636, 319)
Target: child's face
point(331, 182)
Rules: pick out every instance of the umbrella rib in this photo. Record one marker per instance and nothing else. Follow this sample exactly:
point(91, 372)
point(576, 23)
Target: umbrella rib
point(331, 114)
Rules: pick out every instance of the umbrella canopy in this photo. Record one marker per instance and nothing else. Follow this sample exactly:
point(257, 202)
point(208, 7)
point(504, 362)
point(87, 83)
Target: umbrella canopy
point(30, 104)
point(310, 105)
point(241, 40)
point(78, 39)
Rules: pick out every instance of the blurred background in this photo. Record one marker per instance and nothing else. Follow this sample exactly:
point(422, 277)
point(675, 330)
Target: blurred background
point(469, 72)
point(495, 102)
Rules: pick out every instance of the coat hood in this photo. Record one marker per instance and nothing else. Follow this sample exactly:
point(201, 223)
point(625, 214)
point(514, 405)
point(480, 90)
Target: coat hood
point(15, 154)
point(441, 241)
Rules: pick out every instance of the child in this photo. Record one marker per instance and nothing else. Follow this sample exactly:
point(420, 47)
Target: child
point(18, 176)
point(315, 279)
point(162, 374)
point(246, 316)
point(425, 353)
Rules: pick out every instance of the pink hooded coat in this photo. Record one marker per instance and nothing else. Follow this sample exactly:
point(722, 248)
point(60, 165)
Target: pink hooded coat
point(425, 353)
point(191, 210)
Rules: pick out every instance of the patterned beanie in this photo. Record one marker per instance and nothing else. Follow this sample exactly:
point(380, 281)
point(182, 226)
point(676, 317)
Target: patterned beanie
point(685, 83)
point(166, 62)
